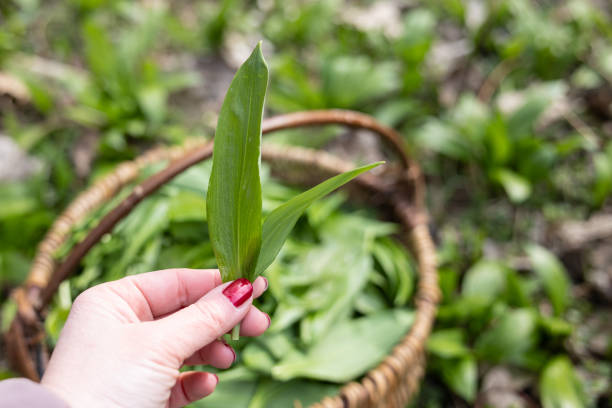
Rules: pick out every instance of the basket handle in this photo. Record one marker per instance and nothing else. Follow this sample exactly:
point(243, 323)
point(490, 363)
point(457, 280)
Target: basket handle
point(338, 116)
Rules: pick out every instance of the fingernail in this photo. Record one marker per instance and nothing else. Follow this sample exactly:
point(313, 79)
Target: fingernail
point(232, 350)
point(239, 291)
point(265, 280)
point(217, 377)
point(269, 320)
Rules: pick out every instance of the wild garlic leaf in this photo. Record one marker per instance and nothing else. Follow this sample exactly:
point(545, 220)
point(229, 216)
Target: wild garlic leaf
point(559, 385)
point(279, 223)
point(234, 193)
point(348, 349)
point(510, 338)
point(461, 375)
point(553, 275)
point(340, 296)
point(229, 393)
point(297, 393)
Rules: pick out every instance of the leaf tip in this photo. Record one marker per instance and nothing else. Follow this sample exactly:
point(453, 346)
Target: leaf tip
point(375, 164)
point(258, 54)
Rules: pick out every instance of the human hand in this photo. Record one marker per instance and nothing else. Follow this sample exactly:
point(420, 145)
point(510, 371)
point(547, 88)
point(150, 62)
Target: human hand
point(125, 341)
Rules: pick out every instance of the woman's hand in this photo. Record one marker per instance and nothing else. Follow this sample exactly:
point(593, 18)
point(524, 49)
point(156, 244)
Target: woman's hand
point(125, 341)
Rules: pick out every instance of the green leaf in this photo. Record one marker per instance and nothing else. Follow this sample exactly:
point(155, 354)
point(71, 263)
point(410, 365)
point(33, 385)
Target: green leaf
point(348, 349)
point(470, 117)
point(553, 275)
point(16, 202)
point(442, 138)
point(602, 185)
point(333, 296)
point(405, 273)
point(6, 374)
point(381, 250)
point(461, 376)
point(234, 193)
point(40, 95)
point(321, 210)
point(499, 144)
point(517, 187)
point(559, 386)
point(556, 326)
point(395, 263)
point(187, 256)
point(448, 343)
point(279, 223)
point(100, 53)
point(537, 99)
point(256, 358)
point(8, 311)
point(148, 221)
point(465, 309)
point(517, 293)
point(186, 205)
point(370, 301)
point(280, 345)
point(510, 338)
point(349, 82)
point(14, 266)
point(152, 101)
point(276, 394)
point(485, 279)
point(228, 393)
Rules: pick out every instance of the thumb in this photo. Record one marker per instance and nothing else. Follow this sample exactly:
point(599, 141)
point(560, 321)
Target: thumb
point(188, 330)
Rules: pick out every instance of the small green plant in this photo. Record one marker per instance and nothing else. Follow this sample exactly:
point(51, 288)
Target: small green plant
point(243, 246)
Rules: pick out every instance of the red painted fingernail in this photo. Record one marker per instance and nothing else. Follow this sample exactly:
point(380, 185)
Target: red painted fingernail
point(239, 291)
point(265, 280)
point(232, 350)
point(269, 320)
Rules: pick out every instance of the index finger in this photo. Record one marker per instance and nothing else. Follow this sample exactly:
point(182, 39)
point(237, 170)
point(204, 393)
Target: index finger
point(154, 294)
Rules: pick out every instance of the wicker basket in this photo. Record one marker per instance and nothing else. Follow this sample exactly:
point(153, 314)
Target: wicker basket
point(399, 190)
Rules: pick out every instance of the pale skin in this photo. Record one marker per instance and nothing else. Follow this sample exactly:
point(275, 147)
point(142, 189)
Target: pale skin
point(125, 341)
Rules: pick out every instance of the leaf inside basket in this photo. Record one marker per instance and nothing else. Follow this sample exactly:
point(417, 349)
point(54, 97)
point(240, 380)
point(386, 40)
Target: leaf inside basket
point(349, 349)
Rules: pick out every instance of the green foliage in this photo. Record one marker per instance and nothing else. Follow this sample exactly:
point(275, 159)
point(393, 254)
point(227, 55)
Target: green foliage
point(508, 338)
point(559, 385)
point(553, 276)
point(602, 184)
point(485, 279)
point(462, 377)
point(448, 343)
point(359, 338)
point(503, 146)
point(498, 317)
point(284, 394)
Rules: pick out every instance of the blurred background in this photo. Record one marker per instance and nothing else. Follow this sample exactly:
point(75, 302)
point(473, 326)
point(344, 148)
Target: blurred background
point(506, 104)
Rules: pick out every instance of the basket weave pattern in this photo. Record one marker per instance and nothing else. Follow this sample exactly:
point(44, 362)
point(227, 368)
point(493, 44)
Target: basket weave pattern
point(399, 190)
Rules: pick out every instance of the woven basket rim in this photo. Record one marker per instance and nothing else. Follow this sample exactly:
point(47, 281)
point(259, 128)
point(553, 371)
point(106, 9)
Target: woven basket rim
point(392, 382)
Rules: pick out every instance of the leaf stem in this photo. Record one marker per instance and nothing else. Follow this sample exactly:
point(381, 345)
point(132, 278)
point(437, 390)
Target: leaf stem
point(236, 332)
